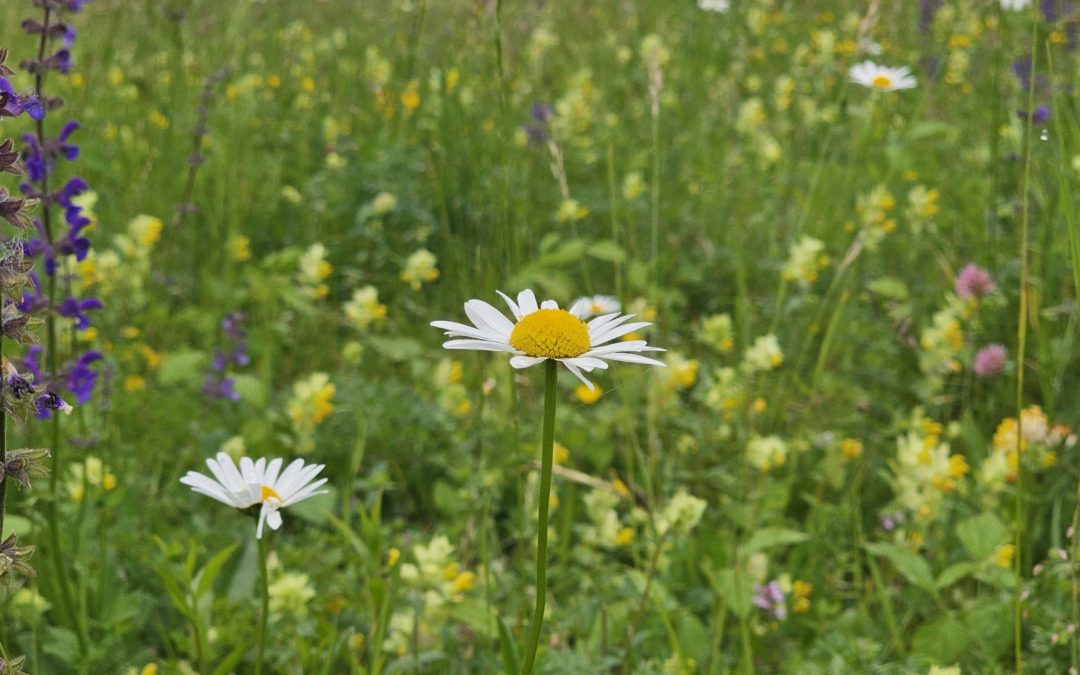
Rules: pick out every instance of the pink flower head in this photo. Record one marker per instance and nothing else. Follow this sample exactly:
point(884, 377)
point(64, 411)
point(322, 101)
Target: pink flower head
point(973, 282)
point(989, 361)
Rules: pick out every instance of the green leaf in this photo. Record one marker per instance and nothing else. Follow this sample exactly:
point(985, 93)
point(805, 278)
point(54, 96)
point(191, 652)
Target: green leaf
point(205, 578)
point(608, 251)
point(771, 537)
point(567, 252)
point(737, 591)
point(955, 573)
point(941, 640)
point(982, 534)
point(908, 563)
point(251, 389)
point(508, 646)
point(183, 366)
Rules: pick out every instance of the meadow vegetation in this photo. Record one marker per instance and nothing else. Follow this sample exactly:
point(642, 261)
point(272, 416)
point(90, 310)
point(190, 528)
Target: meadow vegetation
point(851, 226)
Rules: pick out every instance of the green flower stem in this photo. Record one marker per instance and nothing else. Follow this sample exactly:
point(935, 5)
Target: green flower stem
point(547, 448)
point(1021, 344)
point(264, 589)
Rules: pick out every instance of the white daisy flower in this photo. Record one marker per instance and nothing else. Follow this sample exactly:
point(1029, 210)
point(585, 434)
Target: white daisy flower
point(257, 482)
point(882, 78)
point(544, 331)
point(598, 304)
point(1015, 5)
point(713, 5)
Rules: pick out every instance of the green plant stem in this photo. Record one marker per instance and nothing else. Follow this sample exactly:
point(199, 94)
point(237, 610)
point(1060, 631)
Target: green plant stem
point(544, 496)
point(264, 617)
point(1021, 343)
point(632, 628)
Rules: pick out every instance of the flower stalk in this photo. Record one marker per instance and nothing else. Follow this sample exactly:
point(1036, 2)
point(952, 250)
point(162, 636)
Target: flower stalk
point(264, 616)
point(544, 497)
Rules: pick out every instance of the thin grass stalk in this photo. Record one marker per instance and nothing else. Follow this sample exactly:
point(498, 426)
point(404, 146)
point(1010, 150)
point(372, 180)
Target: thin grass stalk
point(544, 497)
point(1021, 344)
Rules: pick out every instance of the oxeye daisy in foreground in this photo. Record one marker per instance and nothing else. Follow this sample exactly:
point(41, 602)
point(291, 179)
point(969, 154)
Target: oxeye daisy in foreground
point(257, 482)
point(543, 333)
point(882, 78)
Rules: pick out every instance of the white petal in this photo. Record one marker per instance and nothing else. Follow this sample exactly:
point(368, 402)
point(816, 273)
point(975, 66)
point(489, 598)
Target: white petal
point(273, 519)
point(272, 471)
point(511, 304)
point(454, 329)
point(226, 473)
point(520, 362)
point(600, 321)
point(577, 373)
point(527, 302)
point(309, 491)
point(618, 331)
point(481, 345)
point(634, 358)
point(209, 487)
point(580, 308)
point(487, 317)
point(549, 304)
point(586, 363)
point(627, 346)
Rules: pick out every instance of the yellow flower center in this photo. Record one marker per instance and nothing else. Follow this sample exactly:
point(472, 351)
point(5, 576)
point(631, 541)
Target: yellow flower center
point(552, 333)
point(881, 82)
point(268, 492)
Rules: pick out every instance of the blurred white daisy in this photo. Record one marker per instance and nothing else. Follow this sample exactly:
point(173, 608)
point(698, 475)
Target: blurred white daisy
point(882, 78)
point(542, 332)
point(714, 5)
point(597, 305)
point(257, 482)
point(1015, 5)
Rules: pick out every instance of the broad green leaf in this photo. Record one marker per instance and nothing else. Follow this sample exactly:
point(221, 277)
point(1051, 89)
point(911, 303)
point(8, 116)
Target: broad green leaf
point(955, 573)
point(608, 251)
point(908, 563)
point(982, 534)
point(941, 640)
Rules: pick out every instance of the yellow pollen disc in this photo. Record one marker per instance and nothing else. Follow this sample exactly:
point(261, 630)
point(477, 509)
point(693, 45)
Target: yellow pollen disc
point(268, 492)
point(882, 82)
point(552, 333)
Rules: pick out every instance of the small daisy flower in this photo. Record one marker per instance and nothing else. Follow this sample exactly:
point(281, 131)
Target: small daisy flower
point(882, 78)
point(542, 332)
point(598, 305)
point(257, 482)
